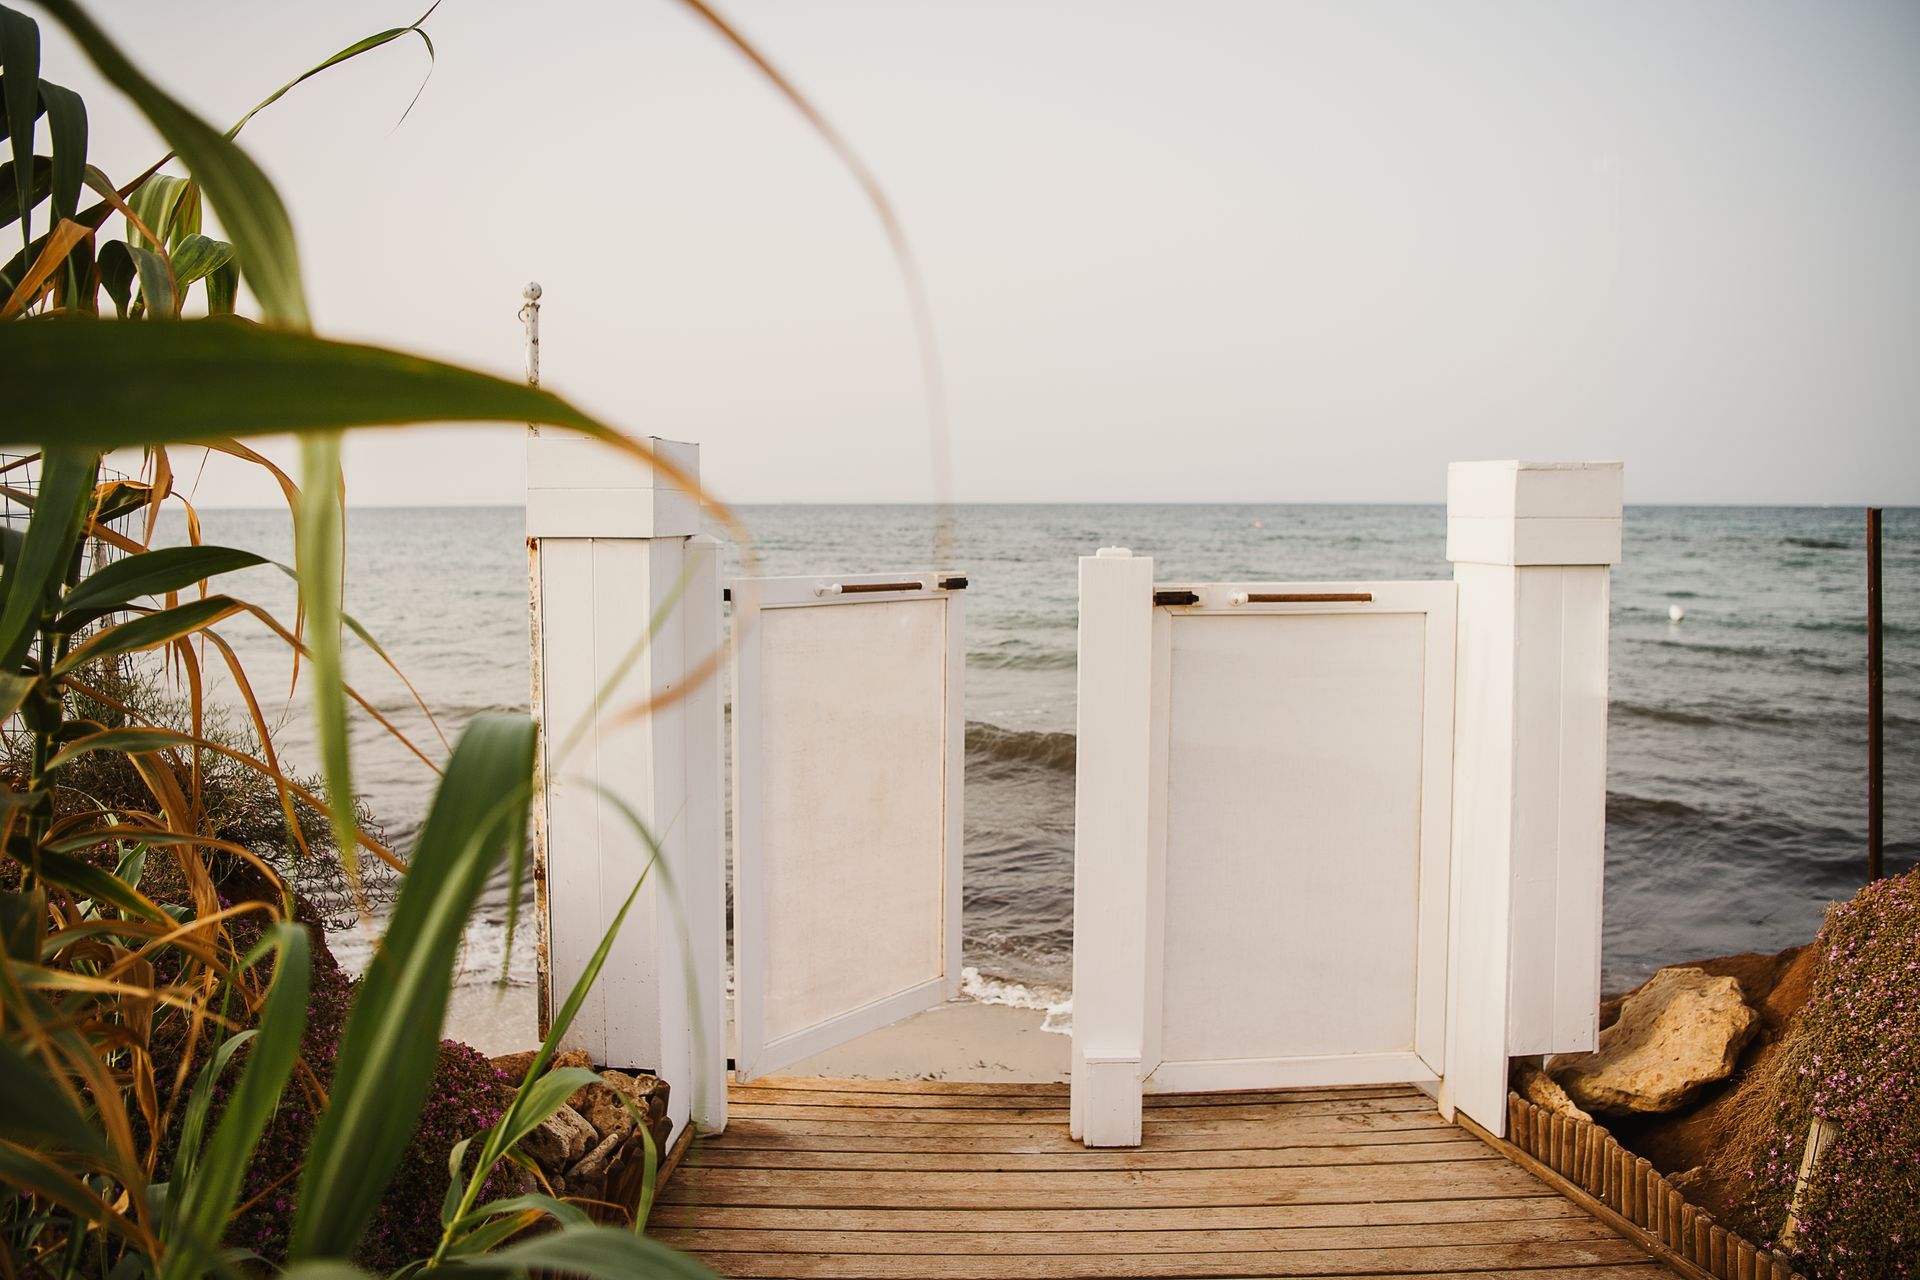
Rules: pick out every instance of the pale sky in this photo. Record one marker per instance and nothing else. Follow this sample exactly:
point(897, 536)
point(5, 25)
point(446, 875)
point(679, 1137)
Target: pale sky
point(1176, 252)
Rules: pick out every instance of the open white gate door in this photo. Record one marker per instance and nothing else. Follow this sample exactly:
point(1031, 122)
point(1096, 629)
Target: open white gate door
point(848, 743)
point(1261, 878)
point(1309, 732)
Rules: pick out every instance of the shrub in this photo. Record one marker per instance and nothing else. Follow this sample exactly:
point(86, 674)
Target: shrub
point(1853, 1060)
point(468, 1096)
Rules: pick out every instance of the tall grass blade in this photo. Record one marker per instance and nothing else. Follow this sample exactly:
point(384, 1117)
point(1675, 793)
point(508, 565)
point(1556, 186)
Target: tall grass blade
point(391, 1046)
point(20, 60)
point(202, 1208)
point(153, 573)
point(210, 381)
point(33, 580)
point(599, 1253)
point(35, 1112)
point(67, 128)
point(319, 549)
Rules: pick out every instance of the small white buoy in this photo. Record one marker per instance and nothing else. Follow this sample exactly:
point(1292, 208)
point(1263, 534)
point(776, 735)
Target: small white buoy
point(1675, 613)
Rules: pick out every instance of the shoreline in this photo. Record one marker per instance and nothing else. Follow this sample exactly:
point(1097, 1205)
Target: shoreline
point(959, 1040)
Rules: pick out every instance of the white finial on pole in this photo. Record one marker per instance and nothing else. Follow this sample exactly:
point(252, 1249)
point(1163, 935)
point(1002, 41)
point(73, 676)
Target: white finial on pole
point(530, 317)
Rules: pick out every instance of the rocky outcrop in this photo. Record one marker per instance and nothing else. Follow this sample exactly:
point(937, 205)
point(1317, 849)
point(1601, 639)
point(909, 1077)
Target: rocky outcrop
point(1676, 1035)
point(591, 1149)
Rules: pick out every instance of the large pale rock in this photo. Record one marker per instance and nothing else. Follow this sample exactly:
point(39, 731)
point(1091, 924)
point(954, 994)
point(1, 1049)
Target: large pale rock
point(559, 1140)
point(1677, 1034)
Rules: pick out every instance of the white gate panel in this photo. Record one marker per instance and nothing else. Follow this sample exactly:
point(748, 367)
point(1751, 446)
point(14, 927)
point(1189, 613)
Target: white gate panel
point(1308, 773)
point(848, 747)
point(1261, 870)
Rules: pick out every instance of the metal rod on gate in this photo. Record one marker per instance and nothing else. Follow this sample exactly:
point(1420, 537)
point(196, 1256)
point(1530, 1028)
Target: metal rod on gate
point(862, 588)
point(1304, 597)
point(1876, 699)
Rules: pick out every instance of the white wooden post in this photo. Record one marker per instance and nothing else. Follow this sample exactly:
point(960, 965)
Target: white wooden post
point(616, 551)
point(1118, 866)
point(1531, 544)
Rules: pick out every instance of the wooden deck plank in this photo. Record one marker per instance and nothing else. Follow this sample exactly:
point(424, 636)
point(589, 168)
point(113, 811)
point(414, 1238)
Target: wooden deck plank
point(1445, 1148)
point(760, 1092)
point(1200, 1240)
point(1004, 1221)
point(1098, 1189)
point(960, 1180)
point(1563, 1257)
point(893, 1135)
point(1058, 1115)
point(831, 1135)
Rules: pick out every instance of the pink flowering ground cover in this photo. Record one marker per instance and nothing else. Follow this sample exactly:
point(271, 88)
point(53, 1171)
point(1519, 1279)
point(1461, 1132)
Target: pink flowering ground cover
point(1852, 1059)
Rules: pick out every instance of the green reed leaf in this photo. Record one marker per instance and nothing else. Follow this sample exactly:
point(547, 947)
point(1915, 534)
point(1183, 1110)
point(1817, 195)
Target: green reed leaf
point(149, 630)
point(202, 381)
point(153, 573)
point(33, 581)
point(102, 886)
point(320, 550)
point(117, 274)
point(157, 292)
point(39, 186)
point(20, 59)
point(67, 128)
point(206, 1201)
point(132, 742)
point(599, 1253)
point(35, 1112)
point(198, 257)
point(391, 1046)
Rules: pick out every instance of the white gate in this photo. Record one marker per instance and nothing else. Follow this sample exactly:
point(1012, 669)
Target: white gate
point(1261, 861)
point(848, 745)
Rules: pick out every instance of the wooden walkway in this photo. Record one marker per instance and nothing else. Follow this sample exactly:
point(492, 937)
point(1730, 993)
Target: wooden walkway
point(888, 1180)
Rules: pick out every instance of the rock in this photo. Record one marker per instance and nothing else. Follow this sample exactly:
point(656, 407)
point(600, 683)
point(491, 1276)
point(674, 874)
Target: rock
point(559, 1140)
point(571, 1058)
point(1539, 1088)
point(587, 1176)
point(1680, 1032)
point(515, 1064)
point(601, 1106)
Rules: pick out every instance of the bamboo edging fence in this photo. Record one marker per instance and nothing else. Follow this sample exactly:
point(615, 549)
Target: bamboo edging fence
point(1591, 1161)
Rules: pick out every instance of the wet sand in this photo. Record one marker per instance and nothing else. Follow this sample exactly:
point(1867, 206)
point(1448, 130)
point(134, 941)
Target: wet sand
point(961, 1040)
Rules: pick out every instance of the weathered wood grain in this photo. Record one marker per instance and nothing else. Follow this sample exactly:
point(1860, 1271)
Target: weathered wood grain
point(895, 1180)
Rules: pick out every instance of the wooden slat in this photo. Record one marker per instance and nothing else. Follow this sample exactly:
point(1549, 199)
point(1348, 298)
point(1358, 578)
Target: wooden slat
point(760, 1094)
point(1447, 1149)
point(1058, 1115)
point(1096, 1190)
point(707, 1240)
point(896, 1180)
point(1006, 1221)
point(1534, 1262)
point(886, 1135)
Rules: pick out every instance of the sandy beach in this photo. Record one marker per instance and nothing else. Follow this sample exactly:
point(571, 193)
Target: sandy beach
point(960, 1040)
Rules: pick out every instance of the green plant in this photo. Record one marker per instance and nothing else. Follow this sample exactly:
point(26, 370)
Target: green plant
point(124, 1170)
point(1851, 1062)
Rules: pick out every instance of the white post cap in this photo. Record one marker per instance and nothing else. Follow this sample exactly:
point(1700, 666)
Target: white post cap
point(1534, 513)
point(578, 487)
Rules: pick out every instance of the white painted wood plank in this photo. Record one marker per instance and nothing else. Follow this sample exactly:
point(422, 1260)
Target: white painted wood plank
point(1112, 882)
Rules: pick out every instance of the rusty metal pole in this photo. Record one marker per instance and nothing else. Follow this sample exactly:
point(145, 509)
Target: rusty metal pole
point(1876, 763)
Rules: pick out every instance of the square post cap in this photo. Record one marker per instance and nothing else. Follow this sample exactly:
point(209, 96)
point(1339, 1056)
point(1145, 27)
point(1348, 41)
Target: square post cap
point(1534, 513)
point(578, 487)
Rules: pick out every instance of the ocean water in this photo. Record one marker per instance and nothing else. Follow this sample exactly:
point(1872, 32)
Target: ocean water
point(1737, 738)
